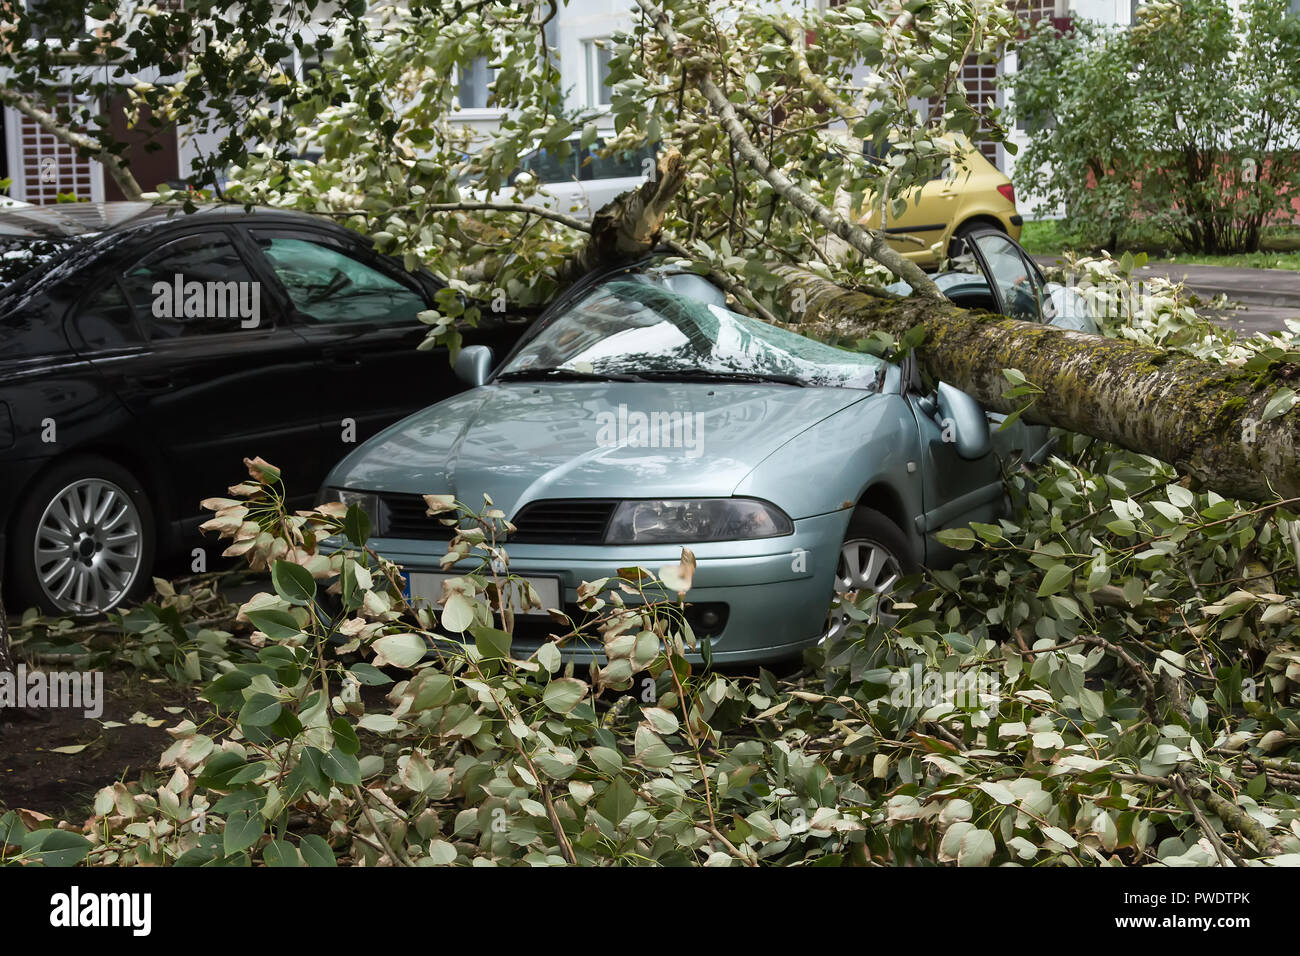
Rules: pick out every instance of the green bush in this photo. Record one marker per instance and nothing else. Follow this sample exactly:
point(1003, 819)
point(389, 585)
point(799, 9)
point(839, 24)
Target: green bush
point(1185, 124)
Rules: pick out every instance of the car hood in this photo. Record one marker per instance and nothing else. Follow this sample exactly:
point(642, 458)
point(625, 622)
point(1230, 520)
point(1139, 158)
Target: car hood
point(523, 442)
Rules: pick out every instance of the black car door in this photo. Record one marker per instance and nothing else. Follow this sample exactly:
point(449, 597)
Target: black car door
point(217, 378)
point(357, 311)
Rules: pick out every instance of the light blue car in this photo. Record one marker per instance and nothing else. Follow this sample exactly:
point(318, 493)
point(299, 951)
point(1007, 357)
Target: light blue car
point(641, 415)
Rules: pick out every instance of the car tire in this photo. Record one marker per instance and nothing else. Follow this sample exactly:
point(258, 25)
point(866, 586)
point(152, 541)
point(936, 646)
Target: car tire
point(958, 239)
point(874, 554)
point(97, 514)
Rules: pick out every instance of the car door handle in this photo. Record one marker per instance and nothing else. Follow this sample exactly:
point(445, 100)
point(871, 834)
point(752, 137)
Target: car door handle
point(154, 383)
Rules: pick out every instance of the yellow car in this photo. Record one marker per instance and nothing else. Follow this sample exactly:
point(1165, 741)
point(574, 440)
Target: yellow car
point(974, 195)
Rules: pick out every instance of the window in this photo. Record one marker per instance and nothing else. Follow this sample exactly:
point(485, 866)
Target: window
point(329, 286)
point(54, 19)
point(599, 92)
point(105, 320)
point(198, 285)
point(474, 82)
point(48, 166)
point(624, 163)
point(548, 167)
point(1015, 279)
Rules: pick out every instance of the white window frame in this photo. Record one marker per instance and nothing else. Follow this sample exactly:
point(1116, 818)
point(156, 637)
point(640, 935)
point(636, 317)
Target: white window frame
point(18, 162)
point(591, 63)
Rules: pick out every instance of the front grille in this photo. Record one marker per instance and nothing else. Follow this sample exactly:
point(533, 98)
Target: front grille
point(555, 521)
point(564, 521)
point(404, 516)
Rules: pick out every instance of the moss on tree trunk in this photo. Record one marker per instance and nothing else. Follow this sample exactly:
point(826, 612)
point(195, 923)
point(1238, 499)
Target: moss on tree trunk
point(1204, 418)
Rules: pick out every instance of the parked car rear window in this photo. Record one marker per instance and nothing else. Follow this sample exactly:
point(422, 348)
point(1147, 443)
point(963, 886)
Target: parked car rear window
point(547, 166)
point(619, 164)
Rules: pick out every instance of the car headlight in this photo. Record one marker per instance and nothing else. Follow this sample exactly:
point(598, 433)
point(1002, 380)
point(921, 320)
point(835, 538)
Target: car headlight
point(367, 501)
point(687, 520)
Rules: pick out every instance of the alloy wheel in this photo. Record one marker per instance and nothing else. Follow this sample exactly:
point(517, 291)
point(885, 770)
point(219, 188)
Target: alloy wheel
point(864, 565)
point(89, 546)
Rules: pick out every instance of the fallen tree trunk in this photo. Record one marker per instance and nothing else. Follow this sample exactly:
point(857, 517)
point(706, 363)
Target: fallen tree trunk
point(1204, 418)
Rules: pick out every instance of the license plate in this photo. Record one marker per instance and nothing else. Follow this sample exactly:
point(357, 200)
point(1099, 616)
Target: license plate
point(427, 586)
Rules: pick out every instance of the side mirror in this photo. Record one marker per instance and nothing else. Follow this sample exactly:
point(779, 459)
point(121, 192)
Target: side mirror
point(473, 364)
point(970, 426)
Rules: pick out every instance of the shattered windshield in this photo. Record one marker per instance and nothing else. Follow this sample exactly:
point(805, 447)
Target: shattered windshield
point(635, 326)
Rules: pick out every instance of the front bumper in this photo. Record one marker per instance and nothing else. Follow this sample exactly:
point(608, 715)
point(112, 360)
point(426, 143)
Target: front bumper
point(776, 590)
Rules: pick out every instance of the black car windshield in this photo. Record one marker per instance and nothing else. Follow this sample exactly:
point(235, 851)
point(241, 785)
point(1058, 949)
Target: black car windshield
point(638, 326)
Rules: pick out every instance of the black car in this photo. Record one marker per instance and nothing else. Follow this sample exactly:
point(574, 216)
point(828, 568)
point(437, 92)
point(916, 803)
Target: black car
point(144, 352)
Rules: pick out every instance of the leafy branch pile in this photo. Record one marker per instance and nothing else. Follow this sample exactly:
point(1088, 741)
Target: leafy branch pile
point(1110, 679)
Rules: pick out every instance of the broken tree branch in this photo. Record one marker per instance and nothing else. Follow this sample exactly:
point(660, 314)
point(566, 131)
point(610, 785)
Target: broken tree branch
point(870, 243)
point(629, 226)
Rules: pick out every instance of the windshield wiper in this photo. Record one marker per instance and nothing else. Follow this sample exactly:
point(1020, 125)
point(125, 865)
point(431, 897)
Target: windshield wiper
point(563, 375)
point(703, 375)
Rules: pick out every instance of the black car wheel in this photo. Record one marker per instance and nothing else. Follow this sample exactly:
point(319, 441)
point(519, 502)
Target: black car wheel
point(83, 541)
point(874, 555)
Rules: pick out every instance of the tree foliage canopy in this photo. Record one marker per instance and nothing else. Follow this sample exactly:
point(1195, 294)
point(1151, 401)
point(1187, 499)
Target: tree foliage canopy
point(1188, 121)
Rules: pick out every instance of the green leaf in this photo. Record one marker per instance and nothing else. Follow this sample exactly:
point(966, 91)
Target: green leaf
point(356, 525)
point(316, 852)
point(342, 767)
point(617, 801)
point(226, 692)
point(1279, 404)
point(1056, 579)
point(491, 643)
point(56, 847)
point(959, 539)
point(564, 694)
point(243, 829)
point(280, 853)
point(276, 624)
point(607, 759)
point(369, 675)
point(293, 582)
point(260, 710)
point(12, 830)
point(220, 769)
point(345, 737)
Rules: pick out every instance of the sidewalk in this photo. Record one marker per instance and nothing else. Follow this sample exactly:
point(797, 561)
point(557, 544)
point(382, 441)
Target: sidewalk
point(1266, 296)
